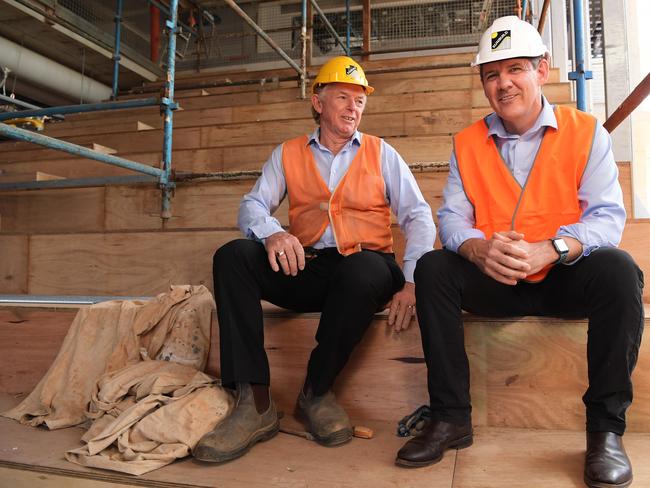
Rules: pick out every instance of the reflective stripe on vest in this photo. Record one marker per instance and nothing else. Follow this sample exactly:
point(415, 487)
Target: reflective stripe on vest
point(357, 210)
point(549, 198)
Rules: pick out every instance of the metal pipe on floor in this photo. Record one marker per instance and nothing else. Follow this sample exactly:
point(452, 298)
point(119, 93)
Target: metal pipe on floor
point(263, 35)
point(116, 53)
point(329, 26)
point(52, 143)
point(83, 108)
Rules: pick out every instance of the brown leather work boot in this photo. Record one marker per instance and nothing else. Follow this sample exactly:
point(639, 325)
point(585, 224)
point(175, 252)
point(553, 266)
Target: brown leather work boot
point(606, 463)
point(238, 432)
point(324, 418)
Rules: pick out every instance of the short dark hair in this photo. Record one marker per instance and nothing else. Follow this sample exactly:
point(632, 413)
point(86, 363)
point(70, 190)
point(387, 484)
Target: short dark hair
point(534, 61)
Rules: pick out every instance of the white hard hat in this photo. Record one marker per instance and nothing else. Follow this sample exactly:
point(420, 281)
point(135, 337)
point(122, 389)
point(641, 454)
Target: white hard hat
point(509, 37)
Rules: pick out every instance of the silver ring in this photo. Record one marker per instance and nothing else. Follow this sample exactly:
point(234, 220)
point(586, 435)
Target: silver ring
point(411, 306)
point(280, 253)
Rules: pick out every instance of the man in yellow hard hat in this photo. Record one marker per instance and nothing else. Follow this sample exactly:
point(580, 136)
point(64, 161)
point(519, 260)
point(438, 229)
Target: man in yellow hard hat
point(335, 258)
point(531, 218)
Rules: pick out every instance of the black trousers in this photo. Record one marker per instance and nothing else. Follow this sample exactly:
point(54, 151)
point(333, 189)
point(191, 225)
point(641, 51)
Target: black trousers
point(347, 290)
point(605, 287)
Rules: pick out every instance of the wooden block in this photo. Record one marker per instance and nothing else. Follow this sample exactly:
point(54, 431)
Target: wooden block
point(134, 264)
point(142, 126)
point(13, 263)
point(102, 149)
point(40, 176)
point(20, 177)
point(53, 210)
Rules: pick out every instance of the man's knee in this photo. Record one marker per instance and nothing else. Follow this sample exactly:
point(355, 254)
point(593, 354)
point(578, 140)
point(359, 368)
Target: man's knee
point(234, 251)
point(435, 265)
point(364, 273)
point(617, 271)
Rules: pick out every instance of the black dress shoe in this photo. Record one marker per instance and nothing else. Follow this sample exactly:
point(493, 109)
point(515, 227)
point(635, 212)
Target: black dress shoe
point(428, 446)
point(606, 463)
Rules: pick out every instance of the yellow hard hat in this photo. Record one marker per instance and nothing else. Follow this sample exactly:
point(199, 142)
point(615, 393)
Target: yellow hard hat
point(342, 69)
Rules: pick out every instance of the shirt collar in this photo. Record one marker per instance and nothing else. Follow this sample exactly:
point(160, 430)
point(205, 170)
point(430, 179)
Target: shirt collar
point(546, 119)
point(314, 138)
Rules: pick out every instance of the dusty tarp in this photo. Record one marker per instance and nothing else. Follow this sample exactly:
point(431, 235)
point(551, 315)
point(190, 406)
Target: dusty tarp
point(133, 369)
point(149, 414)
point(108, 336)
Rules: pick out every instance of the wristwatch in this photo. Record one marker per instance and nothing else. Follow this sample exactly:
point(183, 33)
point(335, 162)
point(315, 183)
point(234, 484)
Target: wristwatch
point(561, 248)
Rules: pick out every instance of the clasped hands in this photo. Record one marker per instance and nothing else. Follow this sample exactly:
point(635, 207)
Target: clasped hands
point(285, 252)
point(507, 257)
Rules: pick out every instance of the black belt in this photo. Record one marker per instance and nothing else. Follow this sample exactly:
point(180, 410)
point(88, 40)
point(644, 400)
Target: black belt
point(311, 252)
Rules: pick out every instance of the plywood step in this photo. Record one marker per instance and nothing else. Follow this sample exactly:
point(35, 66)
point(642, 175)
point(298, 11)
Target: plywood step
point(526, 372)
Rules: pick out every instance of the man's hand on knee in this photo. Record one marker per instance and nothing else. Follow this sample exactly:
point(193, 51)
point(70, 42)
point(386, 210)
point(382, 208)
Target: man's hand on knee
point(402, 308)
point(285, 251)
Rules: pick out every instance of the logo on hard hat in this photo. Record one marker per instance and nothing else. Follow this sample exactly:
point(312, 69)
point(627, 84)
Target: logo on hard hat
point(350, 69)
point(501, 40)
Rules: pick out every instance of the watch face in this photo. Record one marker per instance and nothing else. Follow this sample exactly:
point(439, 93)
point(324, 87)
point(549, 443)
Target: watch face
point(561, 245)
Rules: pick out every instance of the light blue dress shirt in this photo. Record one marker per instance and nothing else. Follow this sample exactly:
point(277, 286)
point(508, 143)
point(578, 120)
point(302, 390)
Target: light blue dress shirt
point(402, 194)
point(601, 199)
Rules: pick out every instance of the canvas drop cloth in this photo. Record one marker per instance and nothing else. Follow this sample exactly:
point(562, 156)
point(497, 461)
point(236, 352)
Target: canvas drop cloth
point(133, 368)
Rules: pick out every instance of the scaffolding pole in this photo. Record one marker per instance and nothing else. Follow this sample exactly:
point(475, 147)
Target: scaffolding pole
point(168, 103)
point(337, 38)
point(116, 54)
point(264, 35)
point(303, 54)
point(52, 143)
point(77, 109)
point(580, 75)
point(162, 176)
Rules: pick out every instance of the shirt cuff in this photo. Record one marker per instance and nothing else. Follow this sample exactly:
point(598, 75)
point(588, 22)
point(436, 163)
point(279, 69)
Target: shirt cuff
point(457, 238)
point(408, 268)
point(262, 231)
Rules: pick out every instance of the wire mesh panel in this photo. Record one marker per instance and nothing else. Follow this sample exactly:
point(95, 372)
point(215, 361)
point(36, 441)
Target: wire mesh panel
point(395, 25)
point(97, 19)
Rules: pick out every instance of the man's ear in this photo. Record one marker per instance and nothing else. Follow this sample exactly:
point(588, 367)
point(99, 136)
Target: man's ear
point(543, 70)
point(316, 103)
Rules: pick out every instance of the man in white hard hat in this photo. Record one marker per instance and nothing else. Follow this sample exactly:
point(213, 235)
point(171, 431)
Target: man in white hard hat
point(531, 218)
point(336, 258)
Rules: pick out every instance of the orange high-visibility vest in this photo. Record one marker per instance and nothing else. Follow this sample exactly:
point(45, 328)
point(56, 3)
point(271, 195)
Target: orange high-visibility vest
point(357, 210)
point(549, 198)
